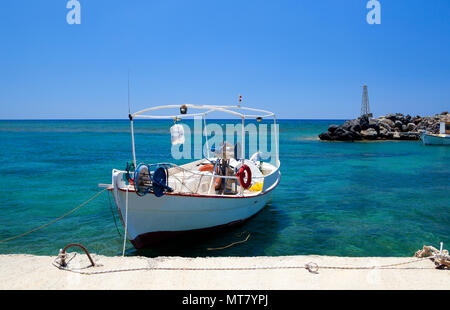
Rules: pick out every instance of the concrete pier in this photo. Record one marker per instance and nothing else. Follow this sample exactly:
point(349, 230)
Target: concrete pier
point(37, 272)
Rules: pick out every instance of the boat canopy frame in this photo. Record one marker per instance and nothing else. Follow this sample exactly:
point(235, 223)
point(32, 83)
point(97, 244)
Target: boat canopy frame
point(260, 114)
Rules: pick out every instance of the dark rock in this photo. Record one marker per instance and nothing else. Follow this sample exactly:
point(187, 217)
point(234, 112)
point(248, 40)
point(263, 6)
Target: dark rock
point(411, 127)
point(417, 120)
point(356, 135)
point(332, 128)
point(339, 132)
point(391, 117)
point(325, 136)
point(398, 124)
point(390, 135)
point(383, 132)
point(387, 121)
point(370, 134)
point(356, 128)
point(392, 126)
point(386, 126)
point(374, 125)
point(346, 136)
point(364, 122)
point(349, 124)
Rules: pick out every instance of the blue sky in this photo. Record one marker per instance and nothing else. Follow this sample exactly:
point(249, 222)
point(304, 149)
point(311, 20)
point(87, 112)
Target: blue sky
point(301, 59)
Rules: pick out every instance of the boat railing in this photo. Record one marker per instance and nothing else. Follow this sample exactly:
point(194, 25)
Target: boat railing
point(189, 173)
point(213, 176)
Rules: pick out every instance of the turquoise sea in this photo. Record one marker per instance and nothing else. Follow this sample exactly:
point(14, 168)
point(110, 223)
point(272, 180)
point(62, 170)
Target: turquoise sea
point(345, 199)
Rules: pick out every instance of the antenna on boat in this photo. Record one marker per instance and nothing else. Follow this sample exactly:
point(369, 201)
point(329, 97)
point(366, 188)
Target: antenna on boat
point(129, 107)
point(131, 122)
point(240, 100)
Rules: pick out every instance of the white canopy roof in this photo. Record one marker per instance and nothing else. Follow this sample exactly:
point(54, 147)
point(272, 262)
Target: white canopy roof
point(204, 110)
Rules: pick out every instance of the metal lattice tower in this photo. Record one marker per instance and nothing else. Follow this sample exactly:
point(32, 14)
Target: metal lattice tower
point(365, 109)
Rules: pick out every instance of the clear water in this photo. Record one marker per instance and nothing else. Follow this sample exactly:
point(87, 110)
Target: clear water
point(346, 199)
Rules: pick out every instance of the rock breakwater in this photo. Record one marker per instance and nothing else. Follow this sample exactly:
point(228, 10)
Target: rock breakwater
point(389, 127)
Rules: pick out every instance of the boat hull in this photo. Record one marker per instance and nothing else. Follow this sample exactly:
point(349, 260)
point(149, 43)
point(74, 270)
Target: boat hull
point(150, 219)
point(147, 239)
point(435, 139)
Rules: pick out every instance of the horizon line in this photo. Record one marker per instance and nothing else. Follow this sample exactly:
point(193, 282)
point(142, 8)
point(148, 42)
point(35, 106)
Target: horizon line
point(126, 119)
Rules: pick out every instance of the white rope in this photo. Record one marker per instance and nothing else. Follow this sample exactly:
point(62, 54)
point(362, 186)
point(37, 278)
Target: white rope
point(126, 223)
point(440, 257)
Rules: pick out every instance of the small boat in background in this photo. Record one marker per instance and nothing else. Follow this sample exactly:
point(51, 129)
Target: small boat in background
point(442, 138)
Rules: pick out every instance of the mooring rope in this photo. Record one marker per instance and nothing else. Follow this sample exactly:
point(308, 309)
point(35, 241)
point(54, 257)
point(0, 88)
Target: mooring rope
point(55, 220)
point(113, 215)
point(311, 267)
point(230, 245)
point(125, 223)
point(440, 258)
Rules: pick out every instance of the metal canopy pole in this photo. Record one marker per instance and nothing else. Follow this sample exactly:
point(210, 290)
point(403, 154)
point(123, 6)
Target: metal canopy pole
point(276, 140)
point(205, 132)
point(132, 142)
point(243, 140)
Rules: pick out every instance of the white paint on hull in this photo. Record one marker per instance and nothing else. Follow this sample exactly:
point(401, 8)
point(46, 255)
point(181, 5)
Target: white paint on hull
point(181, 213)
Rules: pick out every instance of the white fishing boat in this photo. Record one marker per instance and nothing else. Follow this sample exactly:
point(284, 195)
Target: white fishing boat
point(160, 201)
point(442, 138)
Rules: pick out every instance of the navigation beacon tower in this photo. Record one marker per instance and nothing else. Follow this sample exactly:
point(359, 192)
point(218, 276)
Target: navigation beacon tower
point(365, 109)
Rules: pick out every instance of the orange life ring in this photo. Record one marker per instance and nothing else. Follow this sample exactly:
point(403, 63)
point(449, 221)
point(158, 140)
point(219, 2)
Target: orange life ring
point(243, 172)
